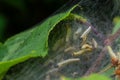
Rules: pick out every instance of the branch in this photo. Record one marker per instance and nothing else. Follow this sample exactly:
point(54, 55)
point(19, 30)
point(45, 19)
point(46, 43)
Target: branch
point(101, 56)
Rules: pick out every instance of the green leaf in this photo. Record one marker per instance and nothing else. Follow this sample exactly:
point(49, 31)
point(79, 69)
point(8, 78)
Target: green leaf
point(95, 77)
point(116, 22)
point(90, 77)
point(31, 43)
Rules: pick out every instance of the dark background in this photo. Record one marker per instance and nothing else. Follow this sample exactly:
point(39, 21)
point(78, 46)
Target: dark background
point(19, 15)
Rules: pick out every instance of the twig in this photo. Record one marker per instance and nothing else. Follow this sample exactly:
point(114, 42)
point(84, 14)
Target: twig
point(112, 38)
point(107, 68)
point(111, 53)
point(96, 64)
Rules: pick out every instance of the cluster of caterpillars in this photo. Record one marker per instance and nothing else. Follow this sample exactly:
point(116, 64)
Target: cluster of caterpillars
point(86, 47)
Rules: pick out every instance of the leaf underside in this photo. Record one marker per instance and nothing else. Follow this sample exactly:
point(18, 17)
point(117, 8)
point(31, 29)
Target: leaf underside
point(28, 44)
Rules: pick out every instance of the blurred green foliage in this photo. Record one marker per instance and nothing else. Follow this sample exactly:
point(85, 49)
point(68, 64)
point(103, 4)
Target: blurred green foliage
point(95, 77)
point(3, 24)
point(19, 4)
point(116, 22)
point(19, 15)
point(90, 77)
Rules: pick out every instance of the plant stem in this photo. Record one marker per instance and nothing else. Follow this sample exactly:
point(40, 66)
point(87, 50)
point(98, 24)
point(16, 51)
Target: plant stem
point(101, 56)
